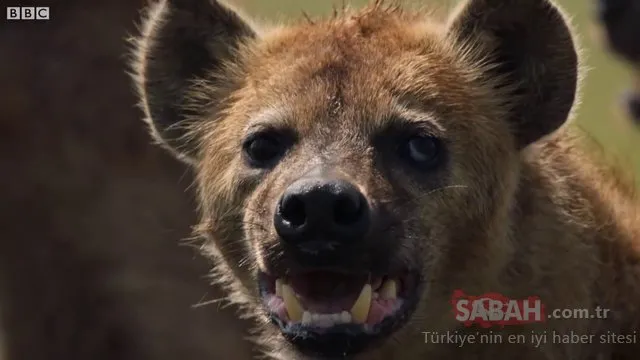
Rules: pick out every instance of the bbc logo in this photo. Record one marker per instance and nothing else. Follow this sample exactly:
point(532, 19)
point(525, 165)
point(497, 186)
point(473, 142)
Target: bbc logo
point(27, 13)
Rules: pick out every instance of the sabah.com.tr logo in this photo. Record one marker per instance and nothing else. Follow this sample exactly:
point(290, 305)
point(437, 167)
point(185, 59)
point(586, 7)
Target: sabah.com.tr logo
point(493, 309)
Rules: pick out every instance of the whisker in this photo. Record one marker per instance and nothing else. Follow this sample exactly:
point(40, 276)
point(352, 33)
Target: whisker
point(208, 302)
point(441, 189)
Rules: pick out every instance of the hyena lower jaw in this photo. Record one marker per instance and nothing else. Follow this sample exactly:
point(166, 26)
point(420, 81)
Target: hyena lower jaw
point(340, 312)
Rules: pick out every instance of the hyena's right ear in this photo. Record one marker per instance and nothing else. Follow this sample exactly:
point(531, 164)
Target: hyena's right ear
point(184, 41)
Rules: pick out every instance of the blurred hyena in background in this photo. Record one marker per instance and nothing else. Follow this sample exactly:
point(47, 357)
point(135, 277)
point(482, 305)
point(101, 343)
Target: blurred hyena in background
point(91, 213)
point(620, 21)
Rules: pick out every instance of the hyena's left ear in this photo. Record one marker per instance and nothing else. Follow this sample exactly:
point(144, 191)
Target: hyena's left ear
point(535, 56)
point(184, 41)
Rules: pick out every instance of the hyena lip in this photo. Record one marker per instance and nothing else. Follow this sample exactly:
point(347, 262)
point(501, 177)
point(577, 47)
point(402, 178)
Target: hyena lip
point(328, 313)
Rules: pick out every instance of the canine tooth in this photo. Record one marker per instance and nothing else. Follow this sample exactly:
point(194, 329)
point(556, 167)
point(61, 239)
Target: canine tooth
point(389, 290)
point(306, 318)
point(376, 295)
point(345, 317)
point(360, 309)
point(278, 287)
point(291, 303)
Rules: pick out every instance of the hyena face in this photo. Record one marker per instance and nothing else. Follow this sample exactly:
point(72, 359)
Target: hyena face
point(350, 170)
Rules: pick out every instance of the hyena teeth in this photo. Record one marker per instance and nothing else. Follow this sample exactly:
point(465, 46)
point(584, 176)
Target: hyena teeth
point(345, 317)
point(360, 309)
point(325, 320)
point(279, 287)
point(389, 290)
point(337, 318)
point(292, 304)
point(306, 318)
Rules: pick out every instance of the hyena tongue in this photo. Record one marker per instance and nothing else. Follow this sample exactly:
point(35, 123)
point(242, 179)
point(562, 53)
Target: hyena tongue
point(327, 292)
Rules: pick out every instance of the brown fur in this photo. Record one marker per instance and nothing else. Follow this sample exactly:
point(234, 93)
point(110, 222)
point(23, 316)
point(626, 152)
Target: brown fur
point(522, 209)
point(92, 214)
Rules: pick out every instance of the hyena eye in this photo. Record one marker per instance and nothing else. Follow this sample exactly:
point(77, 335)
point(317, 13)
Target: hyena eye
point(422, 152)
point(264, 149)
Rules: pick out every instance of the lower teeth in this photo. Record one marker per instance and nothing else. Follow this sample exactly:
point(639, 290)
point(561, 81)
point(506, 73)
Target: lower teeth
point(325, 320)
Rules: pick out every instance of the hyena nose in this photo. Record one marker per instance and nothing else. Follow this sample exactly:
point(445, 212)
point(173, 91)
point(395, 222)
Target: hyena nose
point(319, 210)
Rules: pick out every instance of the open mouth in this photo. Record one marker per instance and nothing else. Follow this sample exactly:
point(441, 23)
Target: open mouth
point(331, 313)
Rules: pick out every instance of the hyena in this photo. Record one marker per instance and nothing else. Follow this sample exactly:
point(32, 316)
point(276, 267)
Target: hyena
point(354, 171)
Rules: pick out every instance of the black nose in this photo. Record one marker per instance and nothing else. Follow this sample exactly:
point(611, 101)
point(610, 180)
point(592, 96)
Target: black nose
point(317, 209)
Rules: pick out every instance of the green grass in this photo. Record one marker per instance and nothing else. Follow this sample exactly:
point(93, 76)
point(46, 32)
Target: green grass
point(600, 113)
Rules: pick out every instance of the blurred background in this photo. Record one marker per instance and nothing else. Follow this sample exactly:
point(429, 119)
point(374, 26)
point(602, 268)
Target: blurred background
point(92, 214)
